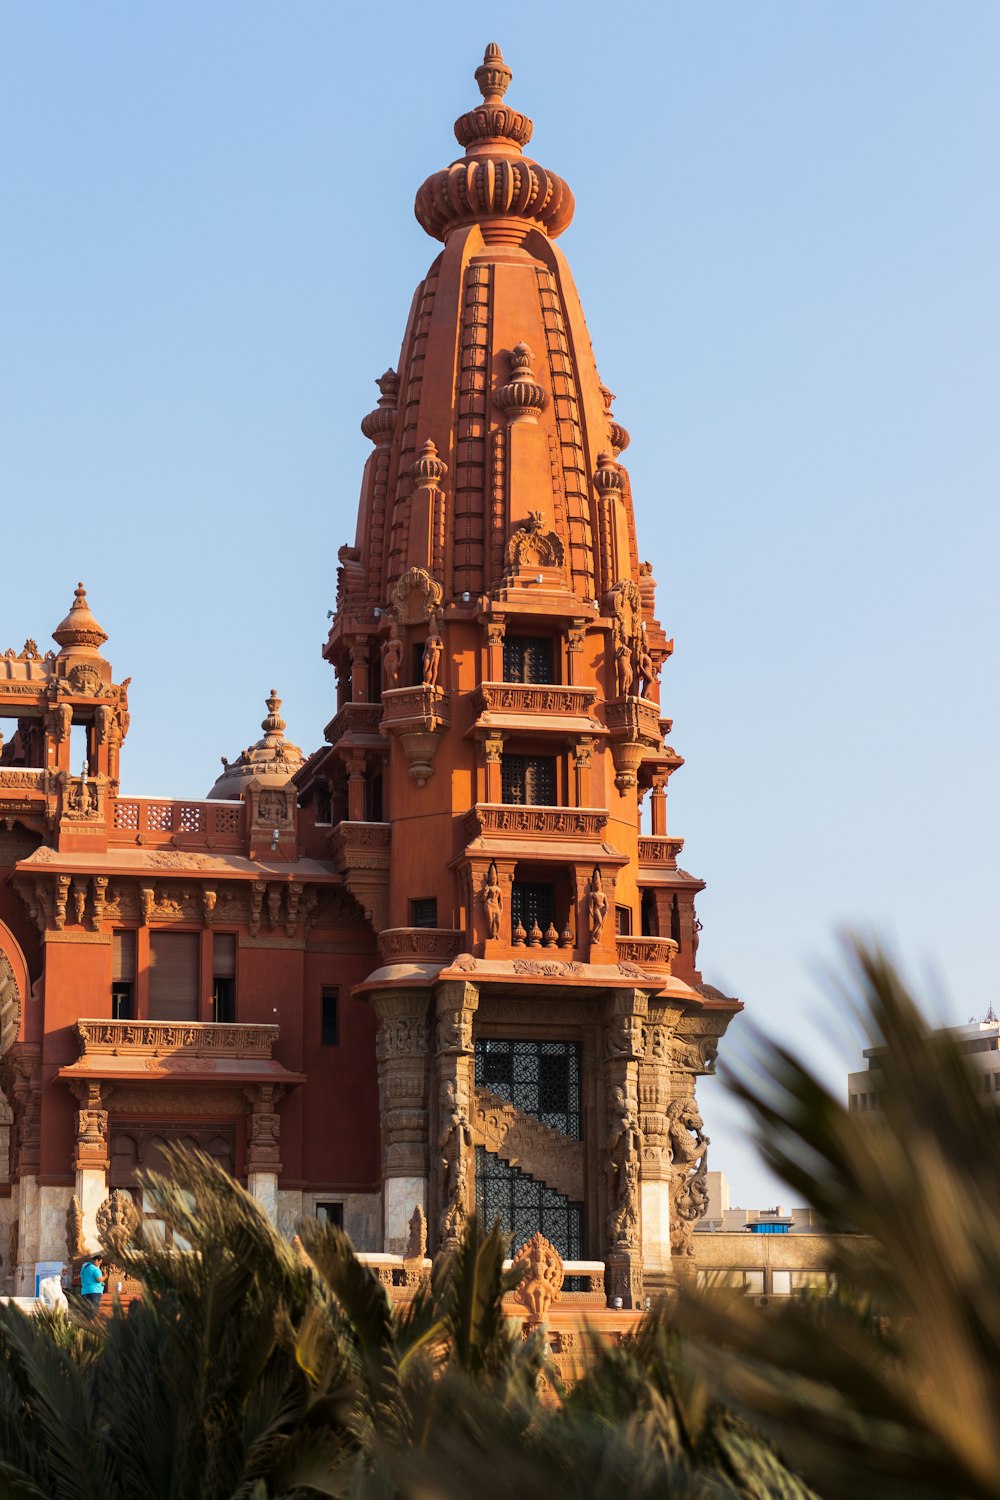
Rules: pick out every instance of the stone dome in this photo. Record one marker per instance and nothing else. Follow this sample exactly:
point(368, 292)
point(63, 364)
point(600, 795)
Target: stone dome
point(273, 758)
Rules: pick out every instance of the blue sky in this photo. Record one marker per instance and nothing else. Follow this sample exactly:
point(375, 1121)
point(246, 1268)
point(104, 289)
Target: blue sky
point(787, 239)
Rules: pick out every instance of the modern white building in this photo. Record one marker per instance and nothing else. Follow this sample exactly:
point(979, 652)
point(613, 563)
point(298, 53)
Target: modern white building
point(979, 1040)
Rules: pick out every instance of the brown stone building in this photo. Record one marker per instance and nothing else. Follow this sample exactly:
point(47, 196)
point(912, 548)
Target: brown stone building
point(438, 962)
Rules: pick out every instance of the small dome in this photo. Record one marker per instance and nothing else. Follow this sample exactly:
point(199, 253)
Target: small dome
point(79, 627)
point(272, 757)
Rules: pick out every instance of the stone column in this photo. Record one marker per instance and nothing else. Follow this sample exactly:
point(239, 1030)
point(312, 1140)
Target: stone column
point(402, 1052)
point(358, 648)
point(575, 636)
point(624, 1013)
point(688, 1152)
point(494, 631)
point(454, 1172)
point(654, 1101)
point(492, 760)
point(659, 806)
point(90, 1157)
point(263, 1150)
point(582, 752)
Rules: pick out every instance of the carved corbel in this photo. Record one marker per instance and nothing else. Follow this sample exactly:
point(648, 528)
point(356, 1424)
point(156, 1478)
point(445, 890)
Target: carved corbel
point(62, 884)
point(99, 889)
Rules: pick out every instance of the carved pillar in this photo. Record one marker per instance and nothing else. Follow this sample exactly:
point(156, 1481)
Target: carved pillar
point(582, 752)
point(358, 648)
point(575, 636)
point(453, 1176)
point(90, 1156)
point(625, 1011)
point(402, 1052)
point(22, 1083)
point(495, 631)
point(355, 761)
point(492, 760)
point(654, 1101)
point(658, 806)
point(263, 1149)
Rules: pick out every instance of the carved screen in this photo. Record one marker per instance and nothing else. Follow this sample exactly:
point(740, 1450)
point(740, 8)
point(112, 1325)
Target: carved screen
point(521, 1206)
point(542, 1078)
point(527, 658)
point(528, 780)
point(532, 902)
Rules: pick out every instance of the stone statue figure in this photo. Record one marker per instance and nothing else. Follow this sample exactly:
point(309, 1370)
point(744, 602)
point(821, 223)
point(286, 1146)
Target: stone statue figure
point(455, 1145)
point(624, 1152)
point(433, 648)
point(597, 903)
point(647, 671)
point(392, 656)
point(492, 898)
point(623, 665)
point(688, 1172)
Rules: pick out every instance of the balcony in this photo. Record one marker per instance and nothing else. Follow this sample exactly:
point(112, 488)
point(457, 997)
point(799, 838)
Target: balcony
point(539, 708)
point(356, 724)
point(361, 854)
point(648, 952)
point(157, 823)
point(23, 790)
point(417, 717)
point(660, 852)
point(496, 819)
point(183, 1051)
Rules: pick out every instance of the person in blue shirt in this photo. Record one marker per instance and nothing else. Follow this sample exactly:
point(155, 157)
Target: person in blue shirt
point(92, 1284)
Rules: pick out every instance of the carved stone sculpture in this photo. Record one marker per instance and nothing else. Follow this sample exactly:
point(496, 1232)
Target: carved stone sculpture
point(689, 1170)
point(455, 1145)
point(117, 1222)
point(597, 904)
point(492, 897)
point(541, 1281)
point(392, 656)
point(433, 649)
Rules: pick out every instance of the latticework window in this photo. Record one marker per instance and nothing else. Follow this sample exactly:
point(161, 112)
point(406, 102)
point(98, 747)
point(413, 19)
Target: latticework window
point(529, 780)
point(531, 902)
point(542, 1078)
point(523, 1206)
point(527, 658)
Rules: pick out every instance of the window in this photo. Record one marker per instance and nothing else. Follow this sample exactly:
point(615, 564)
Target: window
point(331, 1017)
point(529, 779)
point(331, 1213)
point(123, 976)
point(541, 1078)
point(522, 1206)
point(648, 914)
point(424, 912)
point(623, 921)
point(173, 976)
point(373, 799)
point(531, 902)
point(224, 977)
point(527, 658)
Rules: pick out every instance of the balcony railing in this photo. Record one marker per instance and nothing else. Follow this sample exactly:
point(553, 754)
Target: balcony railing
point(650, 952)
point(361, 846)
point(660, 851)
point(354, 720)
point(527, 698)
point(162, 1038)
point(155, 821)
point(556, 822)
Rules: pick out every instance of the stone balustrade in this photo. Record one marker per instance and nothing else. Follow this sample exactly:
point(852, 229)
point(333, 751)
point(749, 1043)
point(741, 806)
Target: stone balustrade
point(156, 822)
point(555, 822)
point(354, 721)
point(649, 952)
point(528, 698)
point(660, 851)
point(158, 1038)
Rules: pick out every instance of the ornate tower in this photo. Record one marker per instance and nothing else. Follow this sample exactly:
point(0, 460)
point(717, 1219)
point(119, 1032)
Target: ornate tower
point(542, 1017)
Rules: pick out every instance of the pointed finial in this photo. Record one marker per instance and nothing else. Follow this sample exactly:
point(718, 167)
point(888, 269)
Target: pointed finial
point(274, 723)
point(493, 75)
point(79, 628)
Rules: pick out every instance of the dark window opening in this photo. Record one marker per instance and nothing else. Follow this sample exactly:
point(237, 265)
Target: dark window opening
point(417, 663)
point(374, 799)
point(424, 912)
point(675, 923)
point(224, 978)
point(623, 921)
point(540, 1078)
point(331, 1017)
point(527, 659)
point(331, 1213)
point(123, 976)
point(650, 922)
point(529, 780)
point(122, 1001)
point(323, 806)
point(523, 1206)
point(532, 901)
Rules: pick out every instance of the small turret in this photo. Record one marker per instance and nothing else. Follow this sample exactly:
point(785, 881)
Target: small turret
point(272, 756)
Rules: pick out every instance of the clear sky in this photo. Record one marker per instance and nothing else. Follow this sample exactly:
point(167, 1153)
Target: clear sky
point(787, 241)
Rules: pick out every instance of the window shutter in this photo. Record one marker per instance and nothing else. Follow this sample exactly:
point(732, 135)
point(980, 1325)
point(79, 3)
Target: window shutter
point(173, 976)
point(224, 955)
point(527, 658)
point(123, 957)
